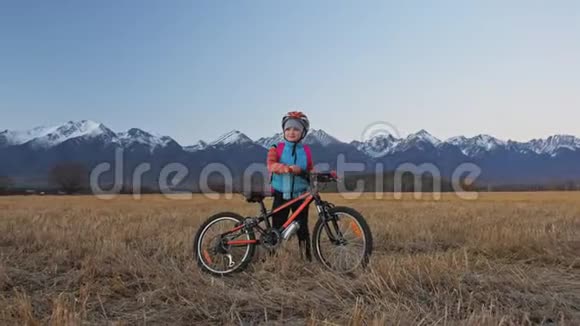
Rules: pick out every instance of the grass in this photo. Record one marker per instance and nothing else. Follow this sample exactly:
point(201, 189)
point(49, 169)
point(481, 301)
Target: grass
point(506, 258)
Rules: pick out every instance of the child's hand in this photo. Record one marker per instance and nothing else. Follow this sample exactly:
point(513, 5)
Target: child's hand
point(295, 169)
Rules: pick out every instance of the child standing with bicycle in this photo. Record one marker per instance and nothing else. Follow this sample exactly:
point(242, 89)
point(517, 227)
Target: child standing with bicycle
point(288, 162)
point(226, 242)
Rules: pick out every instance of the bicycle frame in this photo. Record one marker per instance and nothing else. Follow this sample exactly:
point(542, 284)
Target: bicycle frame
point(308, 198)
point(249, 231)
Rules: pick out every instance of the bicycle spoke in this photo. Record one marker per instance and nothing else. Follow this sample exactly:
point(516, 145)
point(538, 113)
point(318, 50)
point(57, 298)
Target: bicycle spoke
point(348, 252)
point(216, 255)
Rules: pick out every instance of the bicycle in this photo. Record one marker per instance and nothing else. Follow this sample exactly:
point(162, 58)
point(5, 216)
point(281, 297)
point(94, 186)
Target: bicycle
point(232, 246)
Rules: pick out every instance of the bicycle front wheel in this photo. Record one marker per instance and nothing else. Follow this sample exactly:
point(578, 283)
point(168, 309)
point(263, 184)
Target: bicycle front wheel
point(344, 241)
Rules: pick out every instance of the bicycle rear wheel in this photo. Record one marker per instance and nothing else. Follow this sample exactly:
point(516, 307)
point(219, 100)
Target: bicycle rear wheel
point(344, 241)
point(212, 251)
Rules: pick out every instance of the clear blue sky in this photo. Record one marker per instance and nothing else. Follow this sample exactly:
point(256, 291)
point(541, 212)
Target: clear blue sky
point(196, 69)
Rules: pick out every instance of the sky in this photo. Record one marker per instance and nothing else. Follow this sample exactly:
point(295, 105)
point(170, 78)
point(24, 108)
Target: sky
point(197, 69)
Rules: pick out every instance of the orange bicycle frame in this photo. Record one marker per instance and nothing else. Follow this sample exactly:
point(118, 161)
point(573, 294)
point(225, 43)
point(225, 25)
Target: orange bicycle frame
point(307, 197)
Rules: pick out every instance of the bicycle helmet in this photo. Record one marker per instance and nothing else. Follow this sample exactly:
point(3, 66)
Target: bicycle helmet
point(300, 117)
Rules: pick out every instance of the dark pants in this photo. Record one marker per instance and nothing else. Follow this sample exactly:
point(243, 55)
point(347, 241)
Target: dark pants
point(280, 218)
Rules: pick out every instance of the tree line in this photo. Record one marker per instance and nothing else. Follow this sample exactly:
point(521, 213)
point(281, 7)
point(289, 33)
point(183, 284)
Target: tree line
point(73, 177)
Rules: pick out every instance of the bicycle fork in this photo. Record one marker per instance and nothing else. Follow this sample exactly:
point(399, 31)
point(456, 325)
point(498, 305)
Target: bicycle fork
point(326, 217)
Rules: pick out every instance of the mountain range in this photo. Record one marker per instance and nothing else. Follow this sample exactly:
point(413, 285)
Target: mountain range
point(29, 154)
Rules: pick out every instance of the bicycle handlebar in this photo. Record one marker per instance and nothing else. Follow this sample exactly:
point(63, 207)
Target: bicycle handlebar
point(321, 176)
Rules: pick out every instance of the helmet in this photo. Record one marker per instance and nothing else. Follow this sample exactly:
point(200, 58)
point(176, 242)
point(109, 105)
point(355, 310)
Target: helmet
point(301, 117)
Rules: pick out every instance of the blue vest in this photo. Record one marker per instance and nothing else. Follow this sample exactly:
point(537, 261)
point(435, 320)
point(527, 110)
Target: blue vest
point(288, 183)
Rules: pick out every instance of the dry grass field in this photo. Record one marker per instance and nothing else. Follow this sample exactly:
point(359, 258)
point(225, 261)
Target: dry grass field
point(506, 258)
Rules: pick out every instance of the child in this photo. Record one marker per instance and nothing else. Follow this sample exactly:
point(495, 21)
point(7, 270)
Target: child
point(288, 161)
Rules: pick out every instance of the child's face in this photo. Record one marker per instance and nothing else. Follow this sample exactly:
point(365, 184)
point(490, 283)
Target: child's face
point(292, 134)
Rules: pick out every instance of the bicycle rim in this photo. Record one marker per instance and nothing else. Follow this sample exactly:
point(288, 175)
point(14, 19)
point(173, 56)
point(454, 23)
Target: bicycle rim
point(347, 255)
point(221, 262)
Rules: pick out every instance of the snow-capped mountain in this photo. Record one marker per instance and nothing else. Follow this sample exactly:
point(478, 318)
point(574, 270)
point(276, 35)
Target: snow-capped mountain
point(35, 151)
point(554, 143)
point(470, 147)
point(266, 142)
point(423, 136)
point(550, 145)
point(200, 145)
point(476, 145)
point(46, 137)
point(314, 137)
point(382, 145)
point(481, 144)
point(320, 137)
point(378, 146)
point(232, 138)
point(84, 130)
point(19, 137)
point(49, 136)
point(421, 140)
point(137, 137)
